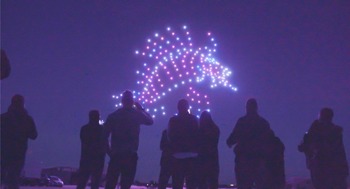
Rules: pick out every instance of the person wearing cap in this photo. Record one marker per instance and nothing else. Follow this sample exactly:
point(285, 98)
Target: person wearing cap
point(123, 126)
point(93, 152)
point(324, 149)
point(249, 135)
point(17, 126)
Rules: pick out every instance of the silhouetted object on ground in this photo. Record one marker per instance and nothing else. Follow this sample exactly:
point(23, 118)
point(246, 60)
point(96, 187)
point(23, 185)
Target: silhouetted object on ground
point(208, 157)
point(274, 161)
point(183, 137)
point(325, 154)
point(93, 152)
point(250, 135)
point(5, 65)
point(124, 126)
point(16, 128)
point(69, 175)
point(166, 161)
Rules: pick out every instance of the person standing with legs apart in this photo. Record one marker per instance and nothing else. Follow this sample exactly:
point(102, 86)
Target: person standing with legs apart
point(93, 152)
point(249, 135)
point(208, 157)
point(325, 154)
point(183, 138)
point(17, 126)
point(124, 127)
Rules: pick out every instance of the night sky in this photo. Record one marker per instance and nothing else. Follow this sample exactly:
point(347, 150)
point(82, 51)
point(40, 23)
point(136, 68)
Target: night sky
point(69, 57)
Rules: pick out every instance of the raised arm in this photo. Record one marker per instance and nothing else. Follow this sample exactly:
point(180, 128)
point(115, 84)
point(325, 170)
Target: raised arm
point(145, 118)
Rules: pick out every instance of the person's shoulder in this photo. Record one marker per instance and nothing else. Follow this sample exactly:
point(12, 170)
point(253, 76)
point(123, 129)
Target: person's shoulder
point(115, 113)
point(193, 116)
point(30, 117)
point(215, 128)
point(84, 127)
point(174, 118)
point(243, 118)
point(314, 126)
point(338, 129)
point(3, 115)
point(262, 119)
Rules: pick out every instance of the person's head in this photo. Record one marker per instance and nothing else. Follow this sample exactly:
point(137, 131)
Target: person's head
point(17, 101)
point(127, 99)
point(252, 106)
point(326, 114)
point(183, 106)
point(94, 116)
point(205, 119)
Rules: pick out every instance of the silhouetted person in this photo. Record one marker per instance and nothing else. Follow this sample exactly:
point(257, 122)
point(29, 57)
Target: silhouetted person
point(274, 160)
point(17, 126)
point(166, 161)
point(250, 135)
point(183, 138)
point(208, 158)
point(5, 65)
point(124, 126)
point(324, 150)
point(93, 152)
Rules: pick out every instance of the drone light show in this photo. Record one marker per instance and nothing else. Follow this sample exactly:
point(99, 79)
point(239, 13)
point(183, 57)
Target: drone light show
point(172, 60)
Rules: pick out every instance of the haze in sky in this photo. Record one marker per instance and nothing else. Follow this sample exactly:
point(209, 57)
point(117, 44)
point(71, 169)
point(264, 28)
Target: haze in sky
point(68, 57)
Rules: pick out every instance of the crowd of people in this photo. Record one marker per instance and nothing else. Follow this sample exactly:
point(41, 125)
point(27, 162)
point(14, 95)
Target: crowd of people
point(189, 148)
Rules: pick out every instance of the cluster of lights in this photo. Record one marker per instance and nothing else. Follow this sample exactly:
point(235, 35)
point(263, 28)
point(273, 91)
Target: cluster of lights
point(172, 61)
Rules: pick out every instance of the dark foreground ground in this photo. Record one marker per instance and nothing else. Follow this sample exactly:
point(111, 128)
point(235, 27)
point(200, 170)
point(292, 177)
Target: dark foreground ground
point(289, 186)
point(292, 183)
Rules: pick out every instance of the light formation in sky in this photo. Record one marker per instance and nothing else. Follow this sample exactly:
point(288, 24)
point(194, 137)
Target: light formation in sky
point(172, 60)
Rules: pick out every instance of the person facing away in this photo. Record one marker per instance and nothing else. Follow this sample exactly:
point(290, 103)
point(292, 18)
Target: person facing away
point(17, 126)
point(249, 135)
point(183, 138)
point(208, 157)
point(166, 161)
point(93, 152)
point(324, 149)
point(274, 161)
point(124, 127)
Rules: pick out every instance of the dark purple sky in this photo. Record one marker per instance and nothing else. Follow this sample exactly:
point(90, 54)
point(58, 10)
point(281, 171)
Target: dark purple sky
point(68, 57)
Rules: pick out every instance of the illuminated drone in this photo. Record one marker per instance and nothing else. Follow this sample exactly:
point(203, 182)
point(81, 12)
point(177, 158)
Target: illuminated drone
point(172, 60)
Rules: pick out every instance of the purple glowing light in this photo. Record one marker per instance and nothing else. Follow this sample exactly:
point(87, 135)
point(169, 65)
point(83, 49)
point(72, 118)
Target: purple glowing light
point(171, 60)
